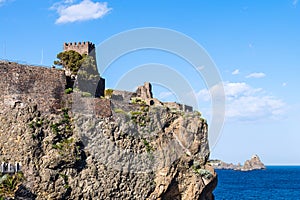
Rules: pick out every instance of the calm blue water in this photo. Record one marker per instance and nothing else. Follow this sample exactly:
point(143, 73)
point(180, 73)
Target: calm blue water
point(276, 182)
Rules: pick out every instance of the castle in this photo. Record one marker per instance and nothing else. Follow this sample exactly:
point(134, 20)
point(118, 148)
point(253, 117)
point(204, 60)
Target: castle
point(80, 47)
point(145, 92)
point(95, 87)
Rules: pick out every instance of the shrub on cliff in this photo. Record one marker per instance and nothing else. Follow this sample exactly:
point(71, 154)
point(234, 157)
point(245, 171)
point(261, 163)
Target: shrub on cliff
point(9, 184)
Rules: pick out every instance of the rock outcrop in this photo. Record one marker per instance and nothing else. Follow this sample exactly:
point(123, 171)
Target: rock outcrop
point(135, 152)
point(253, 164)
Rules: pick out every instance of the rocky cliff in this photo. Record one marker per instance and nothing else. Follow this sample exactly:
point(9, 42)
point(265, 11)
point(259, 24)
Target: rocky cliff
point(70, 146)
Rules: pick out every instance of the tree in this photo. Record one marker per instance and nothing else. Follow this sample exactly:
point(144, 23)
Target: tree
point(70, 60)
point(81, 70)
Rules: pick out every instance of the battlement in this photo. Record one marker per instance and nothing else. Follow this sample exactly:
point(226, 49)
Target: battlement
point(80, 47)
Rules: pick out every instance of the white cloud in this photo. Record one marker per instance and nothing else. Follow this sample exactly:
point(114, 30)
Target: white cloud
point(284, 84)
point(235, 72)
point(83, 11)
point(245, 103)
point(256, 75)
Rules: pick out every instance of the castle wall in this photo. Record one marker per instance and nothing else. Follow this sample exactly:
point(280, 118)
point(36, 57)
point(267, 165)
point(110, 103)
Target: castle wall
point(23, 84)
point(122, 95)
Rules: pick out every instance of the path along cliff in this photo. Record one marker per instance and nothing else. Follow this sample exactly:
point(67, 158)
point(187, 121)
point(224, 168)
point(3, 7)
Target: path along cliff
point(70, 146)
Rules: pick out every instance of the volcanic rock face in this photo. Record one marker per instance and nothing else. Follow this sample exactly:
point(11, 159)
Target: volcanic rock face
point(136, 152)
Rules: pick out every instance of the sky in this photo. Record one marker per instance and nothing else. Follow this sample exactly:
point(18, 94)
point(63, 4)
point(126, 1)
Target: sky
point(254, 45)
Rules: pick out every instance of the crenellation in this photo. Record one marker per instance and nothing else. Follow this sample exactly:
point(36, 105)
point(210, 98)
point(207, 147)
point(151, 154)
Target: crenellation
point(80, 47)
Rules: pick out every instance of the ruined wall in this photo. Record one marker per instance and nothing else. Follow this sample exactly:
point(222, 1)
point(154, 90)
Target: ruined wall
point(179, 106)
point(122, 95)
point(22, 84)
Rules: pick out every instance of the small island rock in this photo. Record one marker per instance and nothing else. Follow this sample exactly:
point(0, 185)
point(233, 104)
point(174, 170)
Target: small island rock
point(253, 164)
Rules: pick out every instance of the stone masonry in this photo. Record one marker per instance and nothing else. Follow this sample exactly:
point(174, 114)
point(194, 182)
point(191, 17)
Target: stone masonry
point(22, 84)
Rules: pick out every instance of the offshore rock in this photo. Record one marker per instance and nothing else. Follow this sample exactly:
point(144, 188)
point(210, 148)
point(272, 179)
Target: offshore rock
point(253, 164)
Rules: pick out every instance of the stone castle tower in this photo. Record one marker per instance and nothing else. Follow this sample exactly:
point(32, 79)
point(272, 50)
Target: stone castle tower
point(80, 47)
point(97, 86)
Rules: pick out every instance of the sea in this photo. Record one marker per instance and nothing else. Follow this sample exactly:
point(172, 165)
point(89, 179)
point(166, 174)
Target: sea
point(275, 182)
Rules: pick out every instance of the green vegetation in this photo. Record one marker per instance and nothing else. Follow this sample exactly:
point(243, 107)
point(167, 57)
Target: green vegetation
point(67, 147)
point(119, 110)
point(68, 91)
point(76, 89)
point(64, 144)
point(138, 100)
point(202, 172)
point(70, 60)
point(149, 148)
point(63, 127)
point(9, 184)
point(36, 123)
point(82, 65)
point(136, 113)
point(198, 113)
point(65, 178)
point(54, 128)
point(140, 116)
point(86, 94)
point(108, 93)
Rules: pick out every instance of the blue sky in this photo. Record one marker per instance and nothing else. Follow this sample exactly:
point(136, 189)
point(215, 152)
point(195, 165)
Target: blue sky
point(254, 44)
